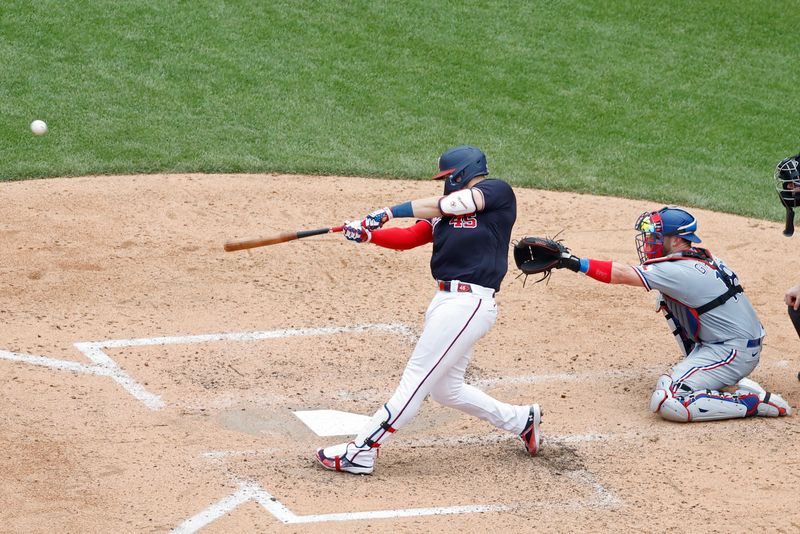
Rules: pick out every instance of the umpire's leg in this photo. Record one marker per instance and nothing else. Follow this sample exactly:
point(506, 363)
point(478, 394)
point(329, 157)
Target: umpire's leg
point(794, 315)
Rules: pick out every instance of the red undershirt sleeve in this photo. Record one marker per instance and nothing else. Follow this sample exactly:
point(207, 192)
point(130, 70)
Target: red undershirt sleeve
point(404, 238)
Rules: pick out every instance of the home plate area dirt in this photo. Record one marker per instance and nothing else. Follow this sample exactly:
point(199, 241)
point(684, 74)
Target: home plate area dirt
point(152, 381)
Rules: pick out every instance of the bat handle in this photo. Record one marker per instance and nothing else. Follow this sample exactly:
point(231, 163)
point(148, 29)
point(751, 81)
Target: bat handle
point(337, 229)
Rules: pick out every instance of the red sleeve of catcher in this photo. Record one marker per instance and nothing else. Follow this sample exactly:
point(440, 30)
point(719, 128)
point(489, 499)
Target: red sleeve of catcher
point(404, 238)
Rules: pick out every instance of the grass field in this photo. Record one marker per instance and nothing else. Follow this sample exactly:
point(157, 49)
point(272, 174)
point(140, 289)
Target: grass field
point(681, 102)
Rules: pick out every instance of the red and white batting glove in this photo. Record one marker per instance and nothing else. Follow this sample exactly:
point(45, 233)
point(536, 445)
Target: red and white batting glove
point(377, 218)
point(353, 231)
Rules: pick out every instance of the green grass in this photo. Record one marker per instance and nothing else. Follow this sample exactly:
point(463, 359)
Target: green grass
point(676, 102)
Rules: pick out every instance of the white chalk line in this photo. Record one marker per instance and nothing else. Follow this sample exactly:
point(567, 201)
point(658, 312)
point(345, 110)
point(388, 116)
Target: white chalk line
point(248, 490)
point(392, 328)
point(606, 374)
point(568, 377)
point(603, 498)
point(106, 366)
point(64, 365)
point(252, 491)
point(103, 361)
point(218, 455)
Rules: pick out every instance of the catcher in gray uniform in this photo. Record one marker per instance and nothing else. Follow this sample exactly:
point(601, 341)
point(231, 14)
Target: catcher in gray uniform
point(715, 325)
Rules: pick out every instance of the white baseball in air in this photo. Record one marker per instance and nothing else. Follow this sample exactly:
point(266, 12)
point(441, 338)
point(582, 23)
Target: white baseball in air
point(39, 127)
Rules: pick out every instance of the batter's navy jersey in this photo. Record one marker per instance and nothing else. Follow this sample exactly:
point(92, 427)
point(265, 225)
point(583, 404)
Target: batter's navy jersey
point(474, 248)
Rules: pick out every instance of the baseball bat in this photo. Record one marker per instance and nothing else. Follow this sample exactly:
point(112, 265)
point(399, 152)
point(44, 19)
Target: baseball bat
point(283, 237)
point(789, 230)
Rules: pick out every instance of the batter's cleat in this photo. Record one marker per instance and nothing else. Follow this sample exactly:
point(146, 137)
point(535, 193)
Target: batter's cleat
point(348, 458)
point(531, 435)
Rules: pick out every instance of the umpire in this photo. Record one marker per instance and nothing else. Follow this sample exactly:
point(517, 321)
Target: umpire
point(787, 183)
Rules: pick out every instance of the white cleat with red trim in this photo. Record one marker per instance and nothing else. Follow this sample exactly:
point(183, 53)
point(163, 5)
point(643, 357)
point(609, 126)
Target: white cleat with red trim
point(531, 436)
point(347, 457)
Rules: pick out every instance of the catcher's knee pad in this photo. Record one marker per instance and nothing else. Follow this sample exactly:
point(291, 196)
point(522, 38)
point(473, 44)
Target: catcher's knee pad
point(662, 393)
point(670, 408)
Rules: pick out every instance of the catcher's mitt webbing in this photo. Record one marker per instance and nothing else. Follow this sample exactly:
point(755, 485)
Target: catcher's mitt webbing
point(535, 255)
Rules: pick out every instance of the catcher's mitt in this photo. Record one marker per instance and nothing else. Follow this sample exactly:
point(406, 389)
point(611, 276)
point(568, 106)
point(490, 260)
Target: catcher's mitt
point(540, 255)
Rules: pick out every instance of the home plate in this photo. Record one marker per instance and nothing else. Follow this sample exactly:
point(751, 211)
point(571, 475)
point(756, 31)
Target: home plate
point(332, 422)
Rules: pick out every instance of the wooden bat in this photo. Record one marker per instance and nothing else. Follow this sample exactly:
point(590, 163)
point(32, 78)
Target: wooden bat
point(230, 246)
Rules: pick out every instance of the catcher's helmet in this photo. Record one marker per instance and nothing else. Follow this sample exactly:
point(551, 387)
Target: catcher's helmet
point(459, 165)
point(653, 226)
point(787, 181)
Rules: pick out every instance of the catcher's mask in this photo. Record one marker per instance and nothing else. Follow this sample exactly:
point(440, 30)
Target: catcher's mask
point(459, 165)
point(787, 183)
point(653, 226)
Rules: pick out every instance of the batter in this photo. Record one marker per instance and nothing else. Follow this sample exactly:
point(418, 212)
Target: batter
point(470, 228)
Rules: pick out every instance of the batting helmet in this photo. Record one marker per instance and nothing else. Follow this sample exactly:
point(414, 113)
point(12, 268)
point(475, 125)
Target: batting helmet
point(653, 226)
point(787, 181)
point(459, 165)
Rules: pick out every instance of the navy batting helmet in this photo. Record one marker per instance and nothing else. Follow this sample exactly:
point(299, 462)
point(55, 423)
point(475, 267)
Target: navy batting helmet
point(459, 165)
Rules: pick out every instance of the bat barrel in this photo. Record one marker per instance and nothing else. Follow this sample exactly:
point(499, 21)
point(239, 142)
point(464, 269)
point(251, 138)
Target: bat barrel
point(231, 246)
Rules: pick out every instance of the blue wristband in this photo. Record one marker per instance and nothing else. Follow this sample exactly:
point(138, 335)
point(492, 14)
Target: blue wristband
point(402, 210)
point(584, 265)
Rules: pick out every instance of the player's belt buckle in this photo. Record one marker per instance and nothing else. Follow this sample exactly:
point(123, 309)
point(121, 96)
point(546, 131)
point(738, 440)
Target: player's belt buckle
point(751, 343)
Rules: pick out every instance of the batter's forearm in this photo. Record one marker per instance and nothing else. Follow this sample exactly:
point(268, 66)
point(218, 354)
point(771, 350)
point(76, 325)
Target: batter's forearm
point(426, 208)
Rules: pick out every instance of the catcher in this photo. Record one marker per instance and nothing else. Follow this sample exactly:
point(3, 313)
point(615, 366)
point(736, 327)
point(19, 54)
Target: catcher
point(714, 323)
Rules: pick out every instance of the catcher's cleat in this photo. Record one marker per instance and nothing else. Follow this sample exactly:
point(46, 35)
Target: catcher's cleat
point(531, 435)
point(769, 404)
point(348, 458)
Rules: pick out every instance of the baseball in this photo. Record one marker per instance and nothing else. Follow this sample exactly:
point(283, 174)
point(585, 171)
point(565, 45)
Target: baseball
point(39, 127)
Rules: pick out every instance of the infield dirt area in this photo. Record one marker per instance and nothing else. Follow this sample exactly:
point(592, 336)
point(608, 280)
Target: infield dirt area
point(152, 381)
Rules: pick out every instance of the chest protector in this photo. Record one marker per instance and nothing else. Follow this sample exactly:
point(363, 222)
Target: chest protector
point(688, 318)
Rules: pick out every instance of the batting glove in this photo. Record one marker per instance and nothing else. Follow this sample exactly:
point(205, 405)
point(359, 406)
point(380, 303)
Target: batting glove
point(377, 218)
point(353, 231)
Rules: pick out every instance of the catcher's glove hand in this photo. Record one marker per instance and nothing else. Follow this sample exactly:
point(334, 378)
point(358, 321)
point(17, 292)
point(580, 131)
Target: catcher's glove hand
point(540, 255)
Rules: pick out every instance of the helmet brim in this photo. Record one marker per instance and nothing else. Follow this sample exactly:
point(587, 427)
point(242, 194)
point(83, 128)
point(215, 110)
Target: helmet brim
point(443, 174)
point(691, 237)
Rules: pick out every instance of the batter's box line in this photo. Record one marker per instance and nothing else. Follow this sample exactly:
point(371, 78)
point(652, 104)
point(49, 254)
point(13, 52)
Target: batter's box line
point(251, 491)
point(104, 365)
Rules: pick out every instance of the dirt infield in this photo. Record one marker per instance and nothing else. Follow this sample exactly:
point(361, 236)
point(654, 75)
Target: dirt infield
point(151, 381)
